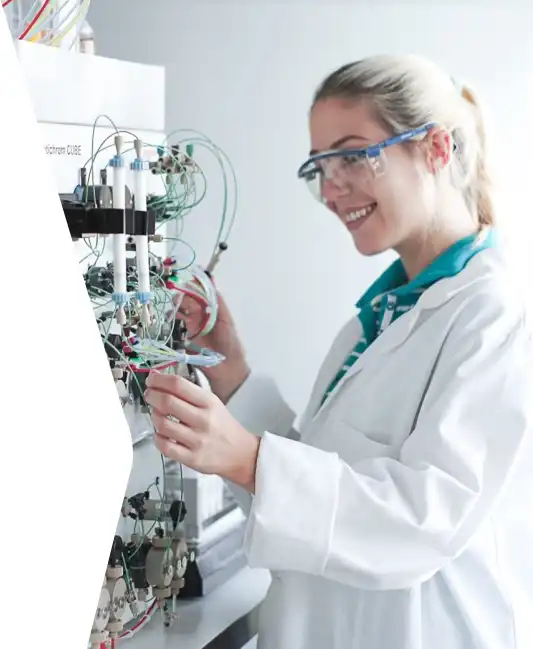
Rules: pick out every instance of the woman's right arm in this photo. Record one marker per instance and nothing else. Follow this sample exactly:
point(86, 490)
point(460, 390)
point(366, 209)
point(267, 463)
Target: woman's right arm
point(252, 398)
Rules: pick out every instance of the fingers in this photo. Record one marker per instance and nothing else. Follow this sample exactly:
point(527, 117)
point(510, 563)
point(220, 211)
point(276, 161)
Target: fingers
point(175, 431)
point(173, 451)
point(185, 303)
point(169, 405)
point(179, 387)
point(177, 440)
point(188, 307)
point(190, 312)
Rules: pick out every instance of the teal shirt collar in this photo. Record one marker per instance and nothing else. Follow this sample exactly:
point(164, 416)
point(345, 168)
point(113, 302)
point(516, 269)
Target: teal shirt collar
point(451, 262)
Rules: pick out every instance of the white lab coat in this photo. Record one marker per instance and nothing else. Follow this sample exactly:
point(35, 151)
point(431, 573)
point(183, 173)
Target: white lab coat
point(403, 519)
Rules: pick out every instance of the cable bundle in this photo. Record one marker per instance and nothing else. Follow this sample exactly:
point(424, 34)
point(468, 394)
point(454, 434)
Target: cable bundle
point(140, 347)
point(49, 22)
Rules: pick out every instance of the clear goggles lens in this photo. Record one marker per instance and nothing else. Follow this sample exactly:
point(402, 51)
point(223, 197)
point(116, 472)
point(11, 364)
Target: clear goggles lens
point(345, 170)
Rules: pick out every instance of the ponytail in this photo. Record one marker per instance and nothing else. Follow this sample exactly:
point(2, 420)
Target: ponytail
point(481, 177)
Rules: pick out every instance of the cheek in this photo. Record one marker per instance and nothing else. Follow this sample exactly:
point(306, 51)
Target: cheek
point(404, 188)
point(391, 194)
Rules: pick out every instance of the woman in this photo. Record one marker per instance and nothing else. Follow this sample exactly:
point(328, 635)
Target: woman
point(402, 517)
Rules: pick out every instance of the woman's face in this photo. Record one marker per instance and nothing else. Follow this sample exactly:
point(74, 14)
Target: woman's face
point(385, 210)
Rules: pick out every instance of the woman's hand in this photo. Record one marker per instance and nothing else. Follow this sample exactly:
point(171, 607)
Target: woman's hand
point(226, 378)
point(195, 428)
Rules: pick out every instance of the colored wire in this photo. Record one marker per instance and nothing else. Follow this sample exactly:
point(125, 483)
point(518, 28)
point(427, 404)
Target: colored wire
point(203, 141)
point(75, 23)
point(41, 32)
point(34, 20)
point(141, 622)
point(44, 21)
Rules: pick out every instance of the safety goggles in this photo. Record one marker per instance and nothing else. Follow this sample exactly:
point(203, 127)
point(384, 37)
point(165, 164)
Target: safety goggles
point(350, 168)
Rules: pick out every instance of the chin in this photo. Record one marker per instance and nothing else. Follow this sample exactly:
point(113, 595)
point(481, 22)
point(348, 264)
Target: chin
point(368, 247)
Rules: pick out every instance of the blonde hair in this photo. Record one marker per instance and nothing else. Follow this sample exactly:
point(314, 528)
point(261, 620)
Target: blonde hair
point(408, 92)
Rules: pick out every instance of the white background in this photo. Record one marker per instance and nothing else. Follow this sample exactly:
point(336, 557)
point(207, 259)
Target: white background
point(244, 74)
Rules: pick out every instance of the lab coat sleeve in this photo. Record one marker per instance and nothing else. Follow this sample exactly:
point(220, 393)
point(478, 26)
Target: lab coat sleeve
point(391, 522)
point(259, 406)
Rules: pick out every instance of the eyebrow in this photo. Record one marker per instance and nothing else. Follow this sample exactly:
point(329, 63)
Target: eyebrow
point(340, 142)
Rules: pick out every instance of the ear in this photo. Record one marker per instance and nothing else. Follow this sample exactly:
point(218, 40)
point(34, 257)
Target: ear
point(439, 149)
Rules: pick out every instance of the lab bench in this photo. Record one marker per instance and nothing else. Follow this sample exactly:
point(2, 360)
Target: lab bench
point(224, 619)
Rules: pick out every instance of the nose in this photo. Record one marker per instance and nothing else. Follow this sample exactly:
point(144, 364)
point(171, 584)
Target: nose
point(333, 189)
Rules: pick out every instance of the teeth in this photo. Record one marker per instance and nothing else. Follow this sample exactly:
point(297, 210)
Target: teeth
point(355, 216)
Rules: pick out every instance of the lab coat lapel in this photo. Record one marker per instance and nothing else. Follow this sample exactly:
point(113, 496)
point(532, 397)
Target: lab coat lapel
point(343, 344)
point(391, 338)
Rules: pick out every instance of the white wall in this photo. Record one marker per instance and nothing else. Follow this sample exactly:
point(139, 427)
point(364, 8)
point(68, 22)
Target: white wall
point(244, 75)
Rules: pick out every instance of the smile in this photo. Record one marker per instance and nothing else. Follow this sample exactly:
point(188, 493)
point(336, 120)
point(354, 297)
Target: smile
point(360, 213)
